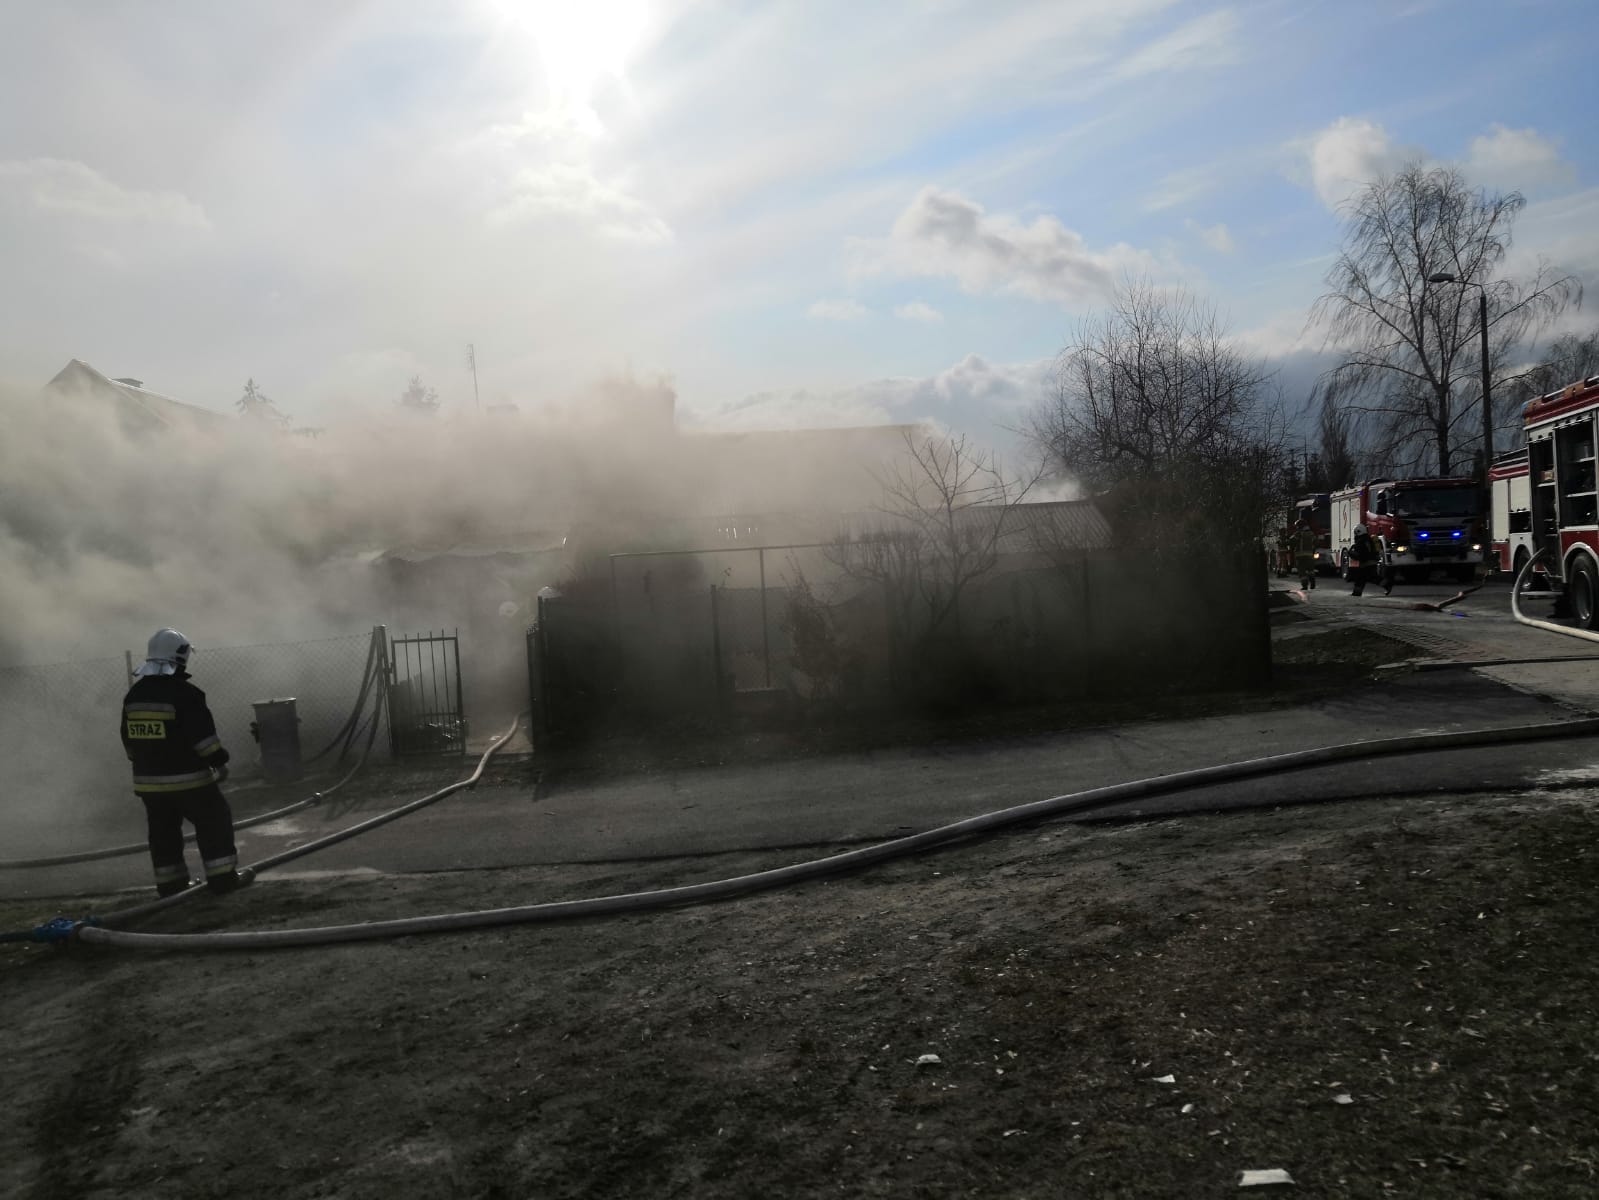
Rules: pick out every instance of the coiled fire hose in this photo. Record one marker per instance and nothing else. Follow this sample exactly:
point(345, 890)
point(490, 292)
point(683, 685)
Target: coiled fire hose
point(1551, 626)
point(1074, 804)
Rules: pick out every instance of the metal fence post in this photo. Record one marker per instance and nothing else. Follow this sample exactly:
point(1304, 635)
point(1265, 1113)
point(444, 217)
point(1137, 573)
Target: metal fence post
point(766, 629)
point(716, 647)
point(460, 694)
point(386, 682)
point(535, 682)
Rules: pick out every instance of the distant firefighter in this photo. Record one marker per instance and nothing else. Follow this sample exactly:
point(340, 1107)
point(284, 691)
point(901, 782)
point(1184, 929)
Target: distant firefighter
point(1305, 554)
point(1362, 561)
point(178, 761)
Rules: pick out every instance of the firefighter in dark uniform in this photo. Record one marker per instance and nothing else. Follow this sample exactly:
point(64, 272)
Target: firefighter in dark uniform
point(1362, 560)
point(1305, 554)
point(178, 761)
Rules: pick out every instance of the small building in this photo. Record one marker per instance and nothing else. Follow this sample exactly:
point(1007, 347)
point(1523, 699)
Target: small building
point(141, 410)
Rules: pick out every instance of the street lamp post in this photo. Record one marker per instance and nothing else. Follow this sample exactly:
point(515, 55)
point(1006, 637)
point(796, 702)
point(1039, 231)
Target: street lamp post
point(1487, 398)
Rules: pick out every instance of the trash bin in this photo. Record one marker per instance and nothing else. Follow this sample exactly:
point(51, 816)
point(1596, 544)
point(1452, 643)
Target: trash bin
point(277, 729)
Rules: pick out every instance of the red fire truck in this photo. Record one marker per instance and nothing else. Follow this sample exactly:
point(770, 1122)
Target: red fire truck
point(1510, 483)
point(1563, 520)
point(1418, 524)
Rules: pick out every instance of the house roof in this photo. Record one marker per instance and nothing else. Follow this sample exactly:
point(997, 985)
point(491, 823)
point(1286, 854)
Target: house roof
point(141, 407)
point(508, 545)
point(1052, 525)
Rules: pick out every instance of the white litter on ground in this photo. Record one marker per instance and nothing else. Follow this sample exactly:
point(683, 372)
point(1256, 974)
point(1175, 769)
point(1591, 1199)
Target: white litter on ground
point(1264, 1178)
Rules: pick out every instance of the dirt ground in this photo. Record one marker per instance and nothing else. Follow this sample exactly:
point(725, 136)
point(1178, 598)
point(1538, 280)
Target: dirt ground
point(1378, 997)
point(1383, 997)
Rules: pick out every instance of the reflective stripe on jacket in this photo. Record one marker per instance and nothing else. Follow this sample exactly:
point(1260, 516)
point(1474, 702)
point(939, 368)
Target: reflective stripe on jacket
point(169, 735)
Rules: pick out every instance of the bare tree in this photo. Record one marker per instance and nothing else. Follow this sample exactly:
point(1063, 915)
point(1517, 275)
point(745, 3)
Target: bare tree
point(256, 405)
point(1160, 413)
point(417, 399)
point(1336, 458)
point(1411, 346)
point(946, 506)
point(1569, 358)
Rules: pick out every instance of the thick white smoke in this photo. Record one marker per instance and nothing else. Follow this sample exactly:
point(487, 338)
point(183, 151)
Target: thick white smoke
point(113, 524)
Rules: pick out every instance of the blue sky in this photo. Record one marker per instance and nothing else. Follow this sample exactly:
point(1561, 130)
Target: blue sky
point(804, 213)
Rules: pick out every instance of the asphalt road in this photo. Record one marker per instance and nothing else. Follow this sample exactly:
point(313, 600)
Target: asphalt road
point(1479, 626)
point(867, 797)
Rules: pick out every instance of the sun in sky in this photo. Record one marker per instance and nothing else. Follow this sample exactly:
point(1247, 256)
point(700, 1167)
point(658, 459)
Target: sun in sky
point(578, 48)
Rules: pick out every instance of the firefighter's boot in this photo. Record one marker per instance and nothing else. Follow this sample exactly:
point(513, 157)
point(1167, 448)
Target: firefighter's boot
point(230, 881)
point(172, 887)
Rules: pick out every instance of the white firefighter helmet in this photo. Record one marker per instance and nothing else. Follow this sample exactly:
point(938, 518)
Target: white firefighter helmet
point(1359, 529)
point(167, 654)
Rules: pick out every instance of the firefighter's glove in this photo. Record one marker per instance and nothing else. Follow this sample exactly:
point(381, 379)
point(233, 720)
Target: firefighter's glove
point(221, 773)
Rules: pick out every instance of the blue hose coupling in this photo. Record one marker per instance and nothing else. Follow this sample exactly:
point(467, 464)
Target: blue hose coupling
point(60, 931)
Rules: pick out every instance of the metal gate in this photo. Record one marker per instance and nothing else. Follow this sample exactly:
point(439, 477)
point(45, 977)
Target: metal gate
point(424, 692)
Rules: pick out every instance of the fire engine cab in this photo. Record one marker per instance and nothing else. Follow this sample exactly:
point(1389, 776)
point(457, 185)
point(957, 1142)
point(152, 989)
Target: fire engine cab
point(1562, 519)
point(1418, 525)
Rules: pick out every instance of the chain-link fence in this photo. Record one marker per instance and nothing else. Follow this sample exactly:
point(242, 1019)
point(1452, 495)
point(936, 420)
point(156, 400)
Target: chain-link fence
point(764, 630)
point(323, 676)
point(59, 736)
point(59, 722)
point(741, 597)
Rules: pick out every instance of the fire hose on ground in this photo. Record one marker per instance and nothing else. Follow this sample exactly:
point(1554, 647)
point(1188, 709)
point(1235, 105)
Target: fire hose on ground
point(65, 928)
point(1070, 805)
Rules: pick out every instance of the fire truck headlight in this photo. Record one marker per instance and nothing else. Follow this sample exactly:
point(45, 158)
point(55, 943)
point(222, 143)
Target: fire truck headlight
point(1476, 545)
point(1401, 549)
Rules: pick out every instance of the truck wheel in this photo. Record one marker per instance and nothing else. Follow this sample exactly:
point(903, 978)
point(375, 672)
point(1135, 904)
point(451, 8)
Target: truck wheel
point(1584, 590)
point(1343, 565)
point(1517, 564)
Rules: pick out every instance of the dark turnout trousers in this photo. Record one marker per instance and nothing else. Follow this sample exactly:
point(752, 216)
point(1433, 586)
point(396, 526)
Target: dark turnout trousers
point(206, 808)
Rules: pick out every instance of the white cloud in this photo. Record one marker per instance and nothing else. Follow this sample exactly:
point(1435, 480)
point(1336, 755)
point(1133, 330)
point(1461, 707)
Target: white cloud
point(1563, 231)
point(916, 310)
point(1349, 154)
point(1352, 152)
point(945, 235)
point(836, 310)
point(66, 187)
point(1217, 237)
point(1006, 387)
point(752, 105)
point(974, 395)
point(1206, 41)
point(1185, 186)
point(1282, 333)
point(569, 189)
point(1519, 159)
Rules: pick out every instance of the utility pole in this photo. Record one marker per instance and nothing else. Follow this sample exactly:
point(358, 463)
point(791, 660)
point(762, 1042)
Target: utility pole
point(1487, 391)
point(1487, 396)
point(471, 361)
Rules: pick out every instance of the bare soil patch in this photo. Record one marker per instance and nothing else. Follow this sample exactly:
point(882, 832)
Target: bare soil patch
point(1431, 960)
